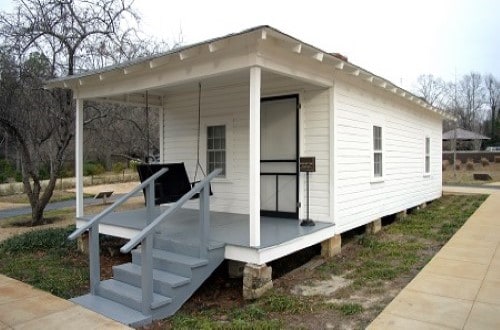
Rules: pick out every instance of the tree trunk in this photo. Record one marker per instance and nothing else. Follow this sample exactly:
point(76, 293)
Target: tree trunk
point(37, 215)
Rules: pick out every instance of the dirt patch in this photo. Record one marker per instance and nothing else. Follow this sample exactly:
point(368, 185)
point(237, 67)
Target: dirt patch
point(117, 188)
point(322, 288)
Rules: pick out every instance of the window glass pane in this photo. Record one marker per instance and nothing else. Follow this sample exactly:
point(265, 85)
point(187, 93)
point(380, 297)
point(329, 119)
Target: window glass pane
point(427, 145)
point(377, 164)
point(377, 138)
point(427, 164)
point(216, 148)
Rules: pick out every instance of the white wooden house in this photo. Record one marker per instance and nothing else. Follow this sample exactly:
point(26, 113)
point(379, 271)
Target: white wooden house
point(264, 100)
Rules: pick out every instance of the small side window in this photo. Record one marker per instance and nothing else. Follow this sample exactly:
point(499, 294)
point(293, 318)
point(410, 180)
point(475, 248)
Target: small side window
point(427, 155)
point(216, 149)
point(378, 170)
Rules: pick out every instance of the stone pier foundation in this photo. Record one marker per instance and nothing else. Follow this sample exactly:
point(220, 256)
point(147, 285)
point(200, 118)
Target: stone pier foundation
point(331, 247)
point(257, 279)
point(374, 226)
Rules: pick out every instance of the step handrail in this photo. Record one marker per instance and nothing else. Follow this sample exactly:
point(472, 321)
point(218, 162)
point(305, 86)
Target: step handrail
point(117, 203)
point(134, 241)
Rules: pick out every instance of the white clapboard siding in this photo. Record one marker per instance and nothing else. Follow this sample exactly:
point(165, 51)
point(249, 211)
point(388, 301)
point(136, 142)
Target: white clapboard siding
point(315, 122)
point(358, 200)
point(230, 104)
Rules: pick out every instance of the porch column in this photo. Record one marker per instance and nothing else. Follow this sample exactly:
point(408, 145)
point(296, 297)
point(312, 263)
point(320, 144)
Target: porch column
point(79, 157)
point(254, 157)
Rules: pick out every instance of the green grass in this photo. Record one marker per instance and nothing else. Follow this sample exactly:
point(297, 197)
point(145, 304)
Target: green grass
point(347, 308)
point(46, 260)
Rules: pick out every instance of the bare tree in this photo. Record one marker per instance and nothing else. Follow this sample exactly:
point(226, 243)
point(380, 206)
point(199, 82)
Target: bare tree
point(468, 101)
point(61, 34)
point(432, 89)
point(493, 94)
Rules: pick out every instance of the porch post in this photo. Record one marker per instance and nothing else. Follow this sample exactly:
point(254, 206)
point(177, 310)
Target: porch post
point(79, 157)
point(254, 157)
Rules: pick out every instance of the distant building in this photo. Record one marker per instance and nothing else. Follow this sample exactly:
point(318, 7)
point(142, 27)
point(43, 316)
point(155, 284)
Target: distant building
point(466, 140)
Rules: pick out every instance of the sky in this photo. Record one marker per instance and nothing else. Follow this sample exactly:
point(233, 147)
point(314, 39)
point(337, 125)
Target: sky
point(398, 40)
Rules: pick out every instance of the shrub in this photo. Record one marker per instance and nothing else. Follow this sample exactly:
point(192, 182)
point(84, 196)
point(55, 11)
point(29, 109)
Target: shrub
point(118, 167)
point(446, 163)
point(458, 164)
point(6, 170)
point(44, 173)
point(133, 164)
point(469, 166)
point(485, 161)
point(36, 240)
point(93, 169)
point(18, 176)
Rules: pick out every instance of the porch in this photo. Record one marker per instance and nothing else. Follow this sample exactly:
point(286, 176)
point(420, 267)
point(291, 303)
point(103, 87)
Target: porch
point(279, 236)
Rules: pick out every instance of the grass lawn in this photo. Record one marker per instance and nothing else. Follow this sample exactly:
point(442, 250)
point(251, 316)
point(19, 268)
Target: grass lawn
point(464, 176)
point(348, 291)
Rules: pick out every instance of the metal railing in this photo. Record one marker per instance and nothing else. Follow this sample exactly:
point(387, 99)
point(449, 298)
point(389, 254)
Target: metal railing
point(93, 225)
point(145, 237)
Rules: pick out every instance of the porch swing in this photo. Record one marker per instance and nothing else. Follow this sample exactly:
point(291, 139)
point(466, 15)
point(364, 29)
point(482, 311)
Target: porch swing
point(174, 184)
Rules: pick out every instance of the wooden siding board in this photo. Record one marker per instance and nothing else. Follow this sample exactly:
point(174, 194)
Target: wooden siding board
point(359, 201)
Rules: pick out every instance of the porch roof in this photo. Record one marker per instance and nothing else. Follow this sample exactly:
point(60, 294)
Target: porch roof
point(262, 46)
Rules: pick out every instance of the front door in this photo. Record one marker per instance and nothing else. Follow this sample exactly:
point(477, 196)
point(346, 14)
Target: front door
point(279, 156)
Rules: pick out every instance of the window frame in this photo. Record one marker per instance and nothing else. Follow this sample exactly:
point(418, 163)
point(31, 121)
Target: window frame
point(375, 178)
point(427, 155)
point(214, 150)
point(217, 121)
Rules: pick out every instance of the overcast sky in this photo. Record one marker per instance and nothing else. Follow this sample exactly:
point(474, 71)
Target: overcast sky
point(398, 40)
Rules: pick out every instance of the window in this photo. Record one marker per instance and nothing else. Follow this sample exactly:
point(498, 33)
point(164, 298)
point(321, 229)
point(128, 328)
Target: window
point(216, 149)
point(377, 152)
point(427, 155)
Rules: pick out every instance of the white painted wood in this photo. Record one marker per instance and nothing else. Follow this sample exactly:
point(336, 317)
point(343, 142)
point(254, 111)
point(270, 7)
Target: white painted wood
point(79, 156)
point(358, 201)
point(161, 127)
point(332, 155)
point(264, 255)
point(318, 57)
point(254, 155)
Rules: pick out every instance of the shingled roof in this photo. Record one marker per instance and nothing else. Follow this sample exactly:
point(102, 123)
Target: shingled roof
point(463, 134)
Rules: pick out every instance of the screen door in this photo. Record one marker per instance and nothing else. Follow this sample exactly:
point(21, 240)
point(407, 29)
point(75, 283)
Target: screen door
point(279, 156)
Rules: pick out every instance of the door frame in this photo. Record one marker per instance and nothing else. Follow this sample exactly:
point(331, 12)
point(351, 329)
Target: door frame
point(280, 214)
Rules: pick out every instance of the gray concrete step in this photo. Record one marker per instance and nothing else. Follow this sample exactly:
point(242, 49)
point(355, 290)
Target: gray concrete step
point(113, 310)
point(164, 282)
point(129, 295)
point(171, 262)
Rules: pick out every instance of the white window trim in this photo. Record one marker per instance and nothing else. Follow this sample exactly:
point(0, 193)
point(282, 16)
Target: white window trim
point(217, 121)
point(425, 173)
point(380, 123)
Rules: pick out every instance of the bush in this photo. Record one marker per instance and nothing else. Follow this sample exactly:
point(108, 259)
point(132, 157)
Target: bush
point(6, 170)
point(133, 164)
point(44, 173)
point(485, 161)
point(118, 167)
point(469, 166)
point(18, 176)
point(458, 164)
point(36, 240)
point(93, 169)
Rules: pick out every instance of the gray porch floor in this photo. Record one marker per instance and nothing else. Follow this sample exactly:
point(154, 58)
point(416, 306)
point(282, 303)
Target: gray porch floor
point(228, 228)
